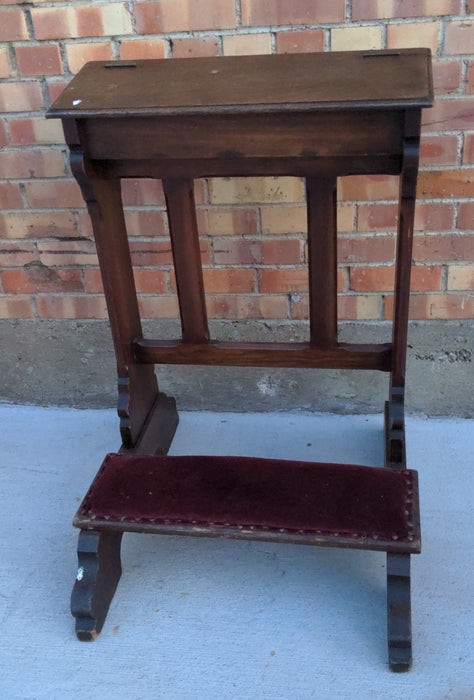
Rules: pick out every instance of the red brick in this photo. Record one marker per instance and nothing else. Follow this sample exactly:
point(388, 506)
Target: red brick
point(151, 281)
point(146, 223)
point(37, 225)
point(184, 15)
point(220, 221)
point(142, 193)
point(72, 22)
point(151, 253)
point(438, 150)
point(232, 281)
point(16, 254)
point(163, 306)
point(366, 249)
point(468, 151)
point(461, 277)
point(368, 187)
point(360, 307)
point(187, 47)
point(3, 134)
point(269, 12)
point(21, 97)
point(466, 217)
point(459, 38)
point(426, 278)
point(36, 131)
point(5, 63)
point(250, 252)
point(55, 89)
point(448, 306)
point(443, 248)
point(449, 115)
point(373, 217)
point(10, 196)
point(408, 35)
point(446, 76)
point(372, 279)
point(93, 281)
point(434, 217)
point(39, 278)
point(247, 44)
point(470, 77)
point(286, 280)
point(30, 164)
point(243, 306)
point(350, 307)
point(15, 308)
point(305, 41)
point(12, 25)
point(39, 60)
point(80, 53)
point(65, 253)
point(156, 253)
point(53, 194)
point(143, 48)
point(445, 184)
point(381, 9)
point(71, 306)
point(382, 278)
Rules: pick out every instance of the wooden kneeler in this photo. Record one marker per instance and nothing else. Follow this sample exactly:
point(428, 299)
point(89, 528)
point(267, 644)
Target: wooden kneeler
point(315, 116)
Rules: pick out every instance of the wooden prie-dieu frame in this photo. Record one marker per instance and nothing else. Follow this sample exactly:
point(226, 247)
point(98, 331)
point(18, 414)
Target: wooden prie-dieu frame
point(314, 116)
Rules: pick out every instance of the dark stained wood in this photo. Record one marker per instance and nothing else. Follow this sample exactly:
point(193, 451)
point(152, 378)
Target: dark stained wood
point(244, 533)
point(385, 164)
point(244, 84)
point(406, 214)
point(98, 573)
point(304, 135)
point(399, 612)
point(317, 116)
point(187, 259)
point(344, 356)
point(137, 385)
point(321, 200)
point(159, 429)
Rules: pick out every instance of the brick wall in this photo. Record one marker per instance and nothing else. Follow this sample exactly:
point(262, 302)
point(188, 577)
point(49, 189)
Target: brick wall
point(253, 230)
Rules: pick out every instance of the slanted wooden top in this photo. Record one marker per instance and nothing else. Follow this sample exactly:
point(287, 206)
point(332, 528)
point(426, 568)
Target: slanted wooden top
point(243, 84)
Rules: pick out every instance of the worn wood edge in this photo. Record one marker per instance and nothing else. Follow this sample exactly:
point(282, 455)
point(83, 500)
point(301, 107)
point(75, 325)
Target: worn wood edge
point(158, 430)
point(341, 166)
point(99, 571)
point(249, 533)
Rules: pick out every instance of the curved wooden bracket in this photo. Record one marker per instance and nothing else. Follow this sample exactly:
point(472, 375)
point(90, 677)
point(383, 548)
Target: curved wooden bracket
point(98, 573)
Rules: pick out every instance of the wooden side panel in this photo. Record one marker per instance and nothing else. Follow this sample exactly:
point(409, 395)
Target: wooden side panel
point(298, 135)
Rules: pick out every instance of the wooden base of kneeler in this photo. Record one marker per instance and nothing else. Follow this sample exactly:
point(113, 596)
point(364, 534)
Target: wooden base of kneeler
point(332, 505)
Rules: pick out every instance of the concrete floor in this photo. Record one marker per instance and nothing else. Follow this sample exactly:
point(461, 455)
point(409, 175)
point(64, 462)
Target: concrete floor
point(207, 619)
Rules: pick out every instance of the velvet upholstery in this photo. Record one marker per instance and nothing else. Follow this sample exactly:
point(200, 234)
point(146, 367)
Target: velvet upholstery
point(267, 494)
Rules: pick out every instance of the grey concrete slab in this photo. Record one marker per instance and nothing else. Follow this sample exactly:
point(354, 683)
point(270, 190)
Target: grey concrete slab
point(201, 618)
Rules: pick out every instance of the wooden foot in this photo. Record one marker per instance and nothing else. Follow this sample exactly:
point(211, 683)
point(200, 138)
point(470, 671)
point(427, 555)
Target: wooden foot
point(399, 612)
point(98, 574)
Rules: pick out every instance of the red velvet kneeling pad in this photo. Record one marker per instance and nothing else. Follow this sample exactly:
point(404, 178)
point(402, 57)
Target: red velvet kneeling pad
point(267, 494)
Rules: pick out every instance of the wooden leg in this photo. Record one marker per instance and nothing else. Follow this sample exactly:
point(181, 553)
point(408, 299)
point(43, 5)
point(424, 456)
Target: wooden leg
point(98, 574)
point(394, 427)
point(399, 612)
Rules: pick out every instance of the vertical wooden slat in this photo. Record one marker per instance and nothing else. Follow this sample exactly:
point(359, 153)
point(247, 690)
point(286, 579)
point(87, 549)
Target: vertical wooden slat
point(322, 259)
point(406, 216)
point(184, 234)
